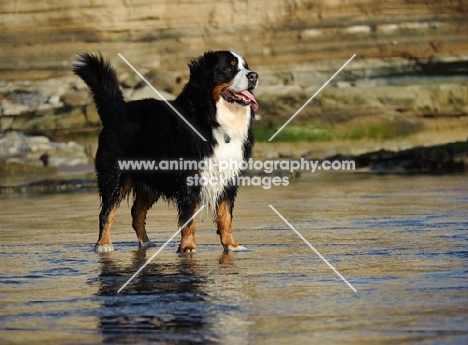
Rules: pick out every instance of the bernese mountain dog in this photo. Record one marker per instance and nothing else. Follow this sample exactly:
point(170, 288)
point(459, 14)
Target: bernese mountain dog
point(217, 101)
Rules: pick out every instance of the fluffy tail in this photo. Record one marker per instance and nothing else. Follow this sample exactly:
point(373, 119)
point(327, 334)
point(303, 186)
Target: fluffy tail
point(102, 80)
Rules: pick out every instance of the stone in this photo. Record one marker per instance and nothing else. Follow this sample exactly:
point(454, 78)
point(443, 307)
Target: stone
point(409, 60)
point(55, 100)
point(9, 108)
point(309, 78)
point(356, 29)
point(343, 84)
point(131, 80)
point(50, 90)
point(147, 92)
point(75, 97)
point(155, 34)
point(277, 90)
point(14, 173)
point(161, 81)
point(92, 116)
point(6, 122)
point(15, 147)
point(445, 158)
point(364, 83)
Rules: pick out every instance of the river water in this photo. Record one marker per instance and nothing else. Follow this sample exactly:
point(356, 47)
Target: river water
point(400, 241)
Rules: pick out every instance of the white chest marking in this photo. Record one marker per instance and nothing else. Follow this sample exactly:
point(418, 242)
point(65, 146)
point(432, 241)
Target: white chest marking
point(226, 160)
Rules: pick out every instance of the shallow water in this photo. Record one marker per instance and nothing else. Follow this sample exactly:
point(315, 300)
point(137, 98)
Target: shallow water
point(401, 241)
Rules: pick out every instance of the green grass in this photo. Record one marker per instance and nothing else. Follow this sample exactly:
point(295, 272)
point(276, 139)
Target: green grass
point(294, 133)
point(371, 129)
point(379, 130)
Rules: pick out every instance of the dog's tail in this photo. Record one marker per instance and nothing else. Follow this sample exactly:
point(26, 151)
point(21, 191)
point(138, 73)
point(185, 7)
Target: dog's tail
point(102, 80)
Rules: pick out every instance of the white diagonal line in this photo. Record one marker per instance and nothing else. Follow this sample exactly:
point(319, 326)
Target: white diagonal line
point(160, 249)
point(312, 247)
point(311, 98)
point(161, 96)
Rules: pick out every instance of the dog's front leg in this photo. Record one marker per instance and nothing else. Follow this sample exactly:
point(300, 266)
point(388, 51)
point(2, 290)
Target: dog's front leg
point(224, 222)
point(187, 242)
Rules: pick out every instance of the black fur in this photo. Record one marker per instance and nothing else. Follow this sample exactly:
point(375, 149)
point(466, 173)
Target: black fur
point(148, 129)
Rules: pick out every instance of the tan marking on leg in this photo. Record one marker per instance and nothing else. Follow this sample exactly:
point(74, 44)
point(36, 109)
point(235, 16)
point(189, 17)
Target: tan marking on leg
point(187, 242)
point(224, 221)
point(105, 233)
point(104, 237)
point(125, 189)
point(139, 210)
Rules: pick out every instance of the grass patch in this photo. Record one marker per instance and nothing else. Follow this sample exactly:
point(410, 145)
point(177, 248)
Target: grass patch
point(373, 129)
point(308, 133)
point(378, 130)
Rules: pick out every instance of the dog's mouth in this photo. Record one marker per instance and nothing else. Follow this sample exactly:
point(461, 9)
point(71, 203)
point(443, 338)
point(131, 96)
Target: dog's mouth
point(244, 98)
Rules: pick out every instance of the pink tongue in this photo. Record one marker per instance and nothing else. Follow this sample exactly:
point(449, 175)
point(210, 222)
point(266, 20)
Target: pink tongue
point(251, 98)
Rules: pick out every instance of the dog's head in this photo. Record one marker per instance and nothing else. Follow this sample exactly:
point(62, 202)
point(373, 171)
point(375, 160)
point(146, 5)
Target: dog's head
point(225, 74)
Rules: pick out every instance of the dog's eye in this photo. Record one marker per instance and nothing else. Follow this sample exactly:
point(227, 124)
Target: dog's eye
point(229, 69)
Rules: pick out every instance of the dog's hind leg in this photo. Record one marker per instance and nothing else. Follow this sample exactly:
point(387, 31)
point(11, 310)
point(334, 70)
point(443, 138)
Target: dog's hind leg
point(111, 196)
point(141, 205)
point(224, 222)
point(106, 218)
point(187, 242)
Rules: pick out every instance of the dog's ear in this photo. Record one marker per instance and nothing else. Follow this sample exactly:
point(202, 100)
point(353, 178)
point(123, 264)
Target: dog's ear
point(202, 71)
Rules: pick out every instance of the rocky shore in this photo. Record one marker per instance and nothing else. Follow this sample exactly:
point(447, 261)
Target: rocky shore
point(438, 159)
point(15, 147)
point(64, 104)
point(407, 86)
point(411, 57)
point(32, 159)
point(33, 112)
point(69, 169)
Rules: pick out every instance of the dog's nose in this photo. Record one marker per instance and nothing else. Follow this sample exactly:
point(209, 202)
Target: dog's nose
point(252, 76)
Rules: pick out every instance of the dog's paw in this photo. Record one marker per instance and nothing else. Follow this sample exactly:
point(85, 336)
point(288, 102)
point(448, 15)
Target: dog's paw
point(146, 245)
point(187, 249)
point(187, 245)
point(236, 248)
point(105, 248)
